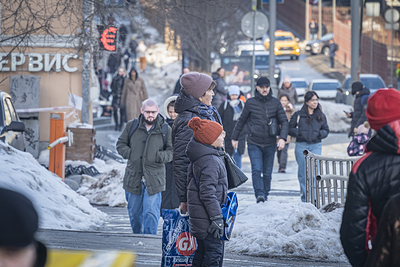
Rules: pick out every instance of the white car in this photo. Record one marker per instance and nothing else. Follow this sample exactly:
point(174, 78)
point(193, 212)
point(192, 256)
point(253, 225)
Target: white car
point(372, 81)
point(325, 88)
point(301, 86)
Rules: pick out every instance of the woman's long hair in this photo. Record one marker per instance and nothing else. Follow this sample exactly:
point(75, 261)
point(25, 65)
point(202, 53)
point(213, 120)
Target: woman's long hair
point(137, 74)
point(317, 111)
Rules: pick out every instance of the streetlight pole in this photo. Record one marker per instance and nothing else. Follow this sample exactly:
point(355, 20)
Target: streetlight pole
point(355, 39)
point(272, 29)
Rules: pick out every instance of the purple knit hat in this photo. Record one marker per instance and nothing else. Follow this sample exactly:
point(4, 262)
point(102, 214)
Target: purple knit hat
point(196, 84)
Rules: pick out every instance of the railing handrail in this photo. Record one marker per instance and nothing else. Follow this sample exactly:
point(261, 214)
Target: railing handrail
point(324, 177)
point(320, 157)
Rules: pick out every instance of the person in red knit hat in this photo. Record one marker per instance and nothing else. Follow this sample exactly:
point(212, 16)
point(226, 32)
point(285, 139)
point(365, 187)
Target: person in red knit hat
point(373, 181)
point(206, 191)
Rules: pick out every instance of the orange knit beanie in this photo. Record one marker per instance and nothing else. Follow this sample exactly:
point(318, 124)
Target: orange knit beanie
point(205, 131)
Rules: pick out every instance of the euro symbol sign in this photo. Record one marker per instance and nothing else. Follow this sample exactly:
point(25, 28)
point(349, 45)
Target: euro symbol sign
point(108, 38)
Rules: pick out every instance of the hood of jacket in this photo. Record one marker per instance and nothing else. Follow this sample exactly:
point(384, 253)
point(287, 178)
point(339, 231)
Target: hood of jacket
point(196, 150)
point(214, 75)
point(386, 139)
point(262, 98)
point(185, 102)
point(166, 103)
point(284, 87)
point(364, 91)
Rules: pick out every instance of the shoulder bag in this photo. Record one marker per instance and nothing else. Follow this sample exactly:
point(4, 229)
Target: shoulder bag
point(235, 175)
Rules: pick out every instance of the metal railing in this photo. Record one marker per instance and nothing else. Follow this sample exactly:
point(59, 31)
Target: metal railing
point(326, 178)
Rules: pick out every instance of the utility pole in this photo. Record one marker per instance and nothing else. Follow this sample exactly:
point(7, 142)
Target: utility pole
point(86, 62)
point(272, 29)
point(355, 39)
point(319, 18)
point(307, 20)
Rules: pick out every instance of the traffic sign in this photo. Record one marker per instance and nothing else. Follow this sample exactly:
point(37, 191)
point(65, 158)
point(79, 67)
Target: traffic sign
point(108, 38)
point(261, 28)
point(388, 26)
point(392, 15)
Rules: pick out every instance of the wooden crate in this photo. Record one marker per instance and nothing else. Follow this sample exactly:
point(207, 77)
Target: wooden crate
point(84, 145)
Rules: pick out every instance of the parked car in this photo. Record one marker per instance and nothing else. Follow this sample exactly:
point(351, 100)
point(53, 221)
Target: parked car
point(301, 86)
point(372, 81)
point(262, 65)
point(325, 88)
point(286, 44)
point(11, 127)
point(320, 46)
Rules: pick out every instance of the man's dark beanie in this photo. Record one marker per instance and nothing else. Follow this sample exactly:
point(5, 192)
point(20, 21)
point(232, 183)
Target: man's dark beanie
point(356, 87)
point(263, 81)
point(19, 219)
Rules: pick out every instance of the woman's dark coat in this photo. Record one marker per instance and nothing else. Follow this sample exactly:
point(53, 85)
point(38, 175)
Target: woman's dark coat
point(226, 113)
point(358, 116)
point(181, 135)
point(219, 90)
point(374, 179)
point(207, 168)
point(309, 129)
point(255, 116)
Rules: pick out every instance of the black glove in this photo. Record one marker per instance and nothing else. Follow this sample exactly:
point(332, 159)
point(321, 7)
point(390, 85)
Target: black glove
point(217, 226)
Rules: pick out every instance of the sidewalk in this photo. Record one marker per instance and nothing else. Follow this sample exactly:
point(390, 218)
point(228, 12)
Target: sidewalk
point(321, 64)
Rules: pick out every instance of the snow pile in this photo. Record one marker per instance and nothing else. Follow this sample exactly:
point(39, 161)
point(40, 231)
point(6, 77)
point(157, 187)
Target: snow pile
point(337, 119)
point(165, 78)
point(159, 55)
point(281, 229)
point(58, 206)
point(106, 190)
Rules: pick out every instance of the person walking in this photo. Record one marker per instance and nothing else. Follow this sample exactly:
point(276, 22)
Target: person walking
point(133, 45)
point(230, 111)
point(194, 100)
point(117, 88)
point(178, 85)
point(288, 90)
point(282, 154)
point(313, 26)
point(374, 179)
point(358, 116)
point(263, 115)
point(141, 52)
point(144, 179)
point(134, 94)
point(170, 199)
point(309, 126)
point(207, 190)
point(219, 90)
point(332, 50)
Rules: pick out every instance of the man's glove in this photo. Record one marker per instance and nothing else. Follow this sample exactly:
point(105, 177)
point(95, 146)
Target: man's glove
point(217, 226)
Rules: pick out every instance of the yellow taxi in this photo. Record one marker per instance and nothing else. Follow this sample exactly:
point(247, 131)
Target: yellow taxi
point(286, 44)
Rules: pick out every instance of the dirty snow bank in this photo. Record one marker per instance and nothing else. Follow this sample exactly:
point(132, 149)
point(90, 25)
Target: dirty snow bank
point(58, 206)
point(280, 229)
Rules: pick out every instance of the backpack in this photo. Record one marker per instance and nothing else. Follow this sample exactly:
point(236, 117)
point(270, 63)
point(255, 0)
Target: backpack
point(362, 100)
point(357, 146)
point(135, 124)
point(336, 47)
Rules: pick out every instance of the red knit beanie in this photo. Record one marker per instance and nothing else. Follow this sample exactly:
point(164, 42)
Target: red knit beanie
point(383, 107)
point(205, 131)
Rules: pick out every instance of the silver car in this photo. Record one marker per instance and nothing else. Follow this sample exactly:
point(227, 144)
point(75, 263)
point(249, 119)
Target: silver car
point(320, 46)
point(325, 88)
point(301, 86)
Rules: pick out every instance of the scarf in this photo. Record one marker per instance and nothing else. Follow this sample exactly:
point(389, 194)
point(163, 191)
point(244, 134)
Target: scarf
point(206, 111)
point(237, 110)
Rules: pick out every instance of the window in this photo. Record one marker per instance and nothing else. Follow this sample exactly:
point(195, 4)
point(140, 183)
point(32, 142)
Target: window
point(372, 83)
point(325, 86)
point(9, 111)
point(299, 84)
point(284, 38)
point(262, 60)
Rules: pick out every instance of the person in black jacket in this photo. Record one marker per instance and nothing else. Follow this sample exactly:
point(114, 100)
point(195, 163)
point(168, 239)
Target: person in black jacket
point(358, 116)
point(374, 178)
point(309, 126)
point(178, 85)
point(262, 114)
point(230, 111)
point(219, 90)
point(170, 199)
point(117, 86)
point(194, 100)
point(207, 190)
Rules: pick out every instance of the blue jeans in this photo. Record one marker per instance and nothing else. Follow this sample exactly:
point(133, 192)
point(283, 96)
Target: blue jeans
point(144, 211)
point(262, 161)
point(238, 158)
point(301, 172)
point(313, 36)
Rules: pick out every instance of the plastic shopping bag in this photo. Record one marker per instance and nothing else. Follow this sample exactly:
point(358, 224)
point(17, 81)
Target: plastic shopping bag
point(178, 245)
point(229, 213)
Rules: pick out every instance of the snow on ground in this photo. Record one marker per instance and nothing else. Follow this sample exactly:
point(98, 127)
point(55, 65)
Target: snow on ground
point(337, 119)
point(58, 206)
